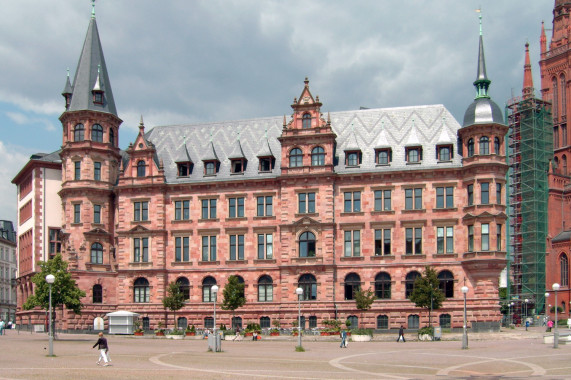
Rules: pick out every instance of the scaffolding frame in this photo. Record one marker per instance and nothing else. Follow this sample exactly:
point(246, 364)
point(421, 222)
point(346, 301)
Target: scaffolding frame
point(530, 148)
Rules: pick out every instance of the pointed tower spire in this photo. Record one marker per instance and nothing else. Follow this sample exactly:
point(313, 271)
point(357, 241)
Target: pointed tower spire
point(542, 40)
point(482, 83)
point(527, 91)
point(67, 91)
point(91, 72)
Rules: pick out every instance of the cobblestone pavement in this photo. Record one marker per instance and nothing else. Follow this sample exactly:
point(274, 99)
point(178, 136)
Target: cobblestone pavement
point(509, 354)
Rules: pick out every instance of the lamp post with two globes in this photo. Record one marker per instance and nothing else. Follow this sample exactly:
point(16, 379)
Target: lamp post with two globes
point(50, 278)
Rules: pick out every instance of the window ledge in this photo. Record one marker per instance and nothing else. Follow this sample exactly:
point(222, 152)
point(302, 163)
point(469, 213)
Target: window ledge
point(347, 213)
point(445, 209)
point(141, 264)
point(420, 210)
point(180, 221)
point(236, 218)
point(309, 214)
point(413, 163)
point(269, 217)
point(98, 267)
point(352, 258)
point(377, 165)
point(383, 257)
point(237, 173)
point(265, 261)
point(208, 220)
point(444, 161)
point(383, 212)
point(446, 255)
point(411, 256)
point(309, 260)
point(209, 262)
point(140, 222)
point(236, 262)
point(181, 263)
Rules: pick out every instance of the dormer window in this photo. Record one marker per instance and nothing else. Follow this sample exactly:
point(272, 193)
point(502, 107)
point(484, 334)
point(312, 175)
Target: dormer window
point(97, 133)
point(210, 168)
point(444, 153)
point(98, 97)
point(306, 121)
point(383, 156)
point(266, 164)
point(141, 168)
point(353, 158)
point(413, 155)
point(238, 166)
point(184, 169)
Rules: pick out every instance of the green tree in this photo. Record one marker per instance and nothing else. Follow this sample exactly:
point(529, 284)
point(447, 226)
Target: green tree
point(426, 293)
point(174, 300)
point(233, 295)
point(64, 289)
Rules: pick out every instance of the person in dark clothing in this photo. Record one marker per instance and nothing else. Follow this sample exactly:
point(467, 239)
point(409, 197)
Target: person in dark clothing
point(103, 347)
point(401, 334)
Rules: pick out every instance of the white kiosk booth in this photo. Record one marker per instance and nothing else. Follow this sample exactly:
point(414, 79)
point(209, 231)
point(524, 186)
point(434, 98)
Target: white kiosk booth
point(122, 322)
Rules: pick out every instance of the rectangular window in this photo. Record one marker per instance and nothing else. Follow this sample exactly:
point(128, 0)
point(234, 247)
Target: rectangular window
point(445, 197)
point(306, 203)
point(265, 206)
point(382, 242)
point(265, 247)
point(209, 248)
point(182, 252)
point(141, 250)
point(208, 208)
point(236, 207)
point(77, 170)
point(141, 211)
point(382, 200)
point(182, 210)
point(236, 247)
point(445, 240)
point(352, 201)
point(97, 214)
point(55, 241)
point(498, 237)
point(499, 193)
point(470, 238)
point(413, 237)
point(413, 199)
point(77, 213)
point(485, 237)
point(97, 171)
point(352, 243)
point(485, 193)
point(470, 190)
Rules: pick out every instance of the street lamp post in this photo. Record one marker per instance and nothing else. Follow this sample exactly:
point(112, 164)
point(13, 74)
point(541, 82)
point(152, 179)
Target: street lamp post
point(555, 333)
point(299, 292)
point(214, 290)
point(50, 278)
point(511, 313)
point(525, 321)
point(465, 332)
point(546, 297)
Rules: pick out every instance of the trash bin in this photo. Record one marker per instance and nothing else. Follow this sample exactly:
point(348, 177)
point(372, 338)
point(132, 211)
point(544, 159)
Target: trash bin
point(215, 342)
point(437, 333)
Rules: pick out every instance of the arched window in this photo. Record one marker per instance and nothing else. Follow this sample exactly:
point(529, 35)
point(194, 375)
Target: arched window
point(312, 322)
point(382, 322)
point(409, 282)
point(209, 168)
point(307, 244)
point(413, 321)
point(309, 285)
point(445, 320)
point(484, 145)
point(295, 158)
point(142, 291)
point(141, 172)
point(265, 289)
point(207, 294)
point(306, 121)
point(563, 94)
point(112, 136)
point(97, 133)
point(564, 270)
point(317, 156)
point(352, 284)
point(555, 105)
point(184, 286)
point(208, 323)
point(78, 132)
point(236, 322)
point(383, 285)
point(97, 293)
point(265, 322)
point(564, 165)
point(446, 285)
point(240, 281)
point(182, 322)
point(96, 253)
point(556, 168)
point(354, 321)
point(470, 147)
point(496, 145)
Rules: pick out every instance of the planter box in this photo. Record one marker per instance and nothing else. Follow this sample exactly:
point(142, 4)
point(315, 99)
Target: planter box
point(160, 334)
point(324, 333)
point(175, 336)
point(190, 333)
point(248, 334)
point(139, 333)
point(275, 334)
point(424, 337)
point(361, 338)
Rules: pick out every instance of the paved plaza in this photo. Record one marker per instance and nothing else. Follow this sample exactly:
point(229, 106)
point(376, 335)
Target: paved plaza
point(513, 354)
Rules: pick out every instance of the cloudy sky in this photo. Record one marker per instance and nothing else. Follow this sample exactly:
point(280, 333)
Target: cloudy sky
point(184, 61)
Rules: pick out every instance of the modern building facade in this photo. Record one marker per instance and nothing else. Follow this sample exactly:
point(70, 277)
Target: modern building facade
point(7, 271)
point(328, 203)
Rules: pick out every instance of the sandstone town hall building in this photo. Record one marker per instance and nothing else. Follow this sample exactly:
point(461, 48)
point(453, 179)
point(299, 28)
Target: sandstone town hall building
point(329, 202)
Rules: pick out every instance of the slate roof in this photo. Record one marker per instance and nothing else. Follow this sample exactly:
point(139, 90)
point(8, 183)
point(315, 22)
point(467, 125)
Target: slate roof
point(394, 127)
point(562, 236)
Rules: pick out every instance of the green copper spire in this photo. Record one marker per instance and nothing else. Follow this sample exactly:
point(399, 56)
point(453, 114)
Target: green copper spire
point(92, 8)
point(482, 83)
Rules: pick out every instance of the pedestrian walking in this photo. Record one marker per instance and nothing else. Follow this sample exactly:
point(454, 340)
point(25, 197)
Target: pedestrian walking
point(103, 348)
point(343, 339)
point(1, 327)
point(401, 334)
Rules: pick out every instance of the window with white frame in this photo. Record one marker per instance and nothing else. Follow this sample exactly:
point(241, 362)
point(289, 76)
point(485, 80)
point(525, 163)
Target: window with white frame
point(182, 210)
point(265, 246)
point(352, 201)
point(352, 243)
point(445, 239)
point(264, 206)
point(141, 250)
point(306, 203)
point(140, 211)
point(208, 210)
point(383, 242)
